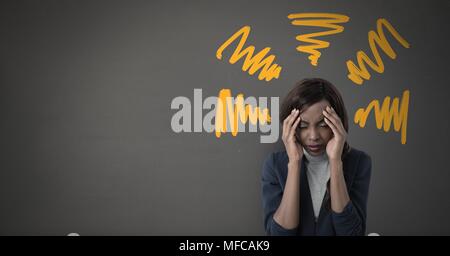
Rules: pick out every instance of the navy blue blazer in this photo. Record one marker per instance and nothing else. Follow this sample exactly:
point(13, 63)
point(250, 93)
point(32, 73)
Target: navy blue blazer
point(357, 167)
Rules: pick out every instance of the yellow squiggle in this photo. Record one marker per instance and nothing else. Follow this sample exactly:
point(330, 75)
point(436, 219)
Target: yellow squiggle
point(326, 20)
point(251, 63)
point(357, 73)
point(384, 116)
point(235, 113)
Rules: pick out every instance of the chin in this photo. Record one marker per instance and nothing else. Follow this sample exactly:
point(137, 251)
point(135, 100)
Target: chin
point(318, 153)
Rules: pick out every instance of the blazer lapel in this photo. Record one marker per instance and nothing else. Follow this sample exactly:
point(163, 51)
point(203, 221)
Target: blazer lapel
point(307, 220)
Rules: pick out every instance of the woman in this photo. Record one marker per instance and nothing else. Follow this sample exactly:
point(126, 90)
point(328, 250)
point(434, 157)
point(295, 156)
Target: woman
point(318, 185)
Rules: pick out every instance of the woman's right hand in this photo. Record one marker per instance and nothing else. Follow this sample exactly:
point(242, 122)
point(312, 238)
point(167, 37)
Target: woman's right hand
point(293, 148)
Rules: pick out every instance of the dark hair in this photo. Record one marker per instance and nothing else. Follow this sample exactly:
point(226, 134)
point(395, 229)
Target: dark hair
point(310, 91)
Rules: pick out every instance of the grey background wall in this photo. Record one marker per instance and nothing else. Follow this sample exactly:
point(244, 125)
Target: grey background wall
point(86, 141)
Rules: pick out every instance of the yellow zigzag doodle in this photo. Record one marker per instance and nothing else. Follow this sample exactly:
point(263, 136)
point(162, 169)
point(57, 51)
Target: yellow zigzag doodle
point(384, 116)
point(326, 20)
point(357, 73)
point(237, 112)
point(254, 63)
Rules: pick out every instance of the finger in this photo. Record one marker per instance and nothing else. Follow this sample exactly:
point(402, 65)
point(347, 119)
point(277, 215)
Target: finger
point(329, 115)
point(332, 119)
point(286, 123)
point(338, 119)
point(293, 117)
point(294, 126)
point(291, 121)
point(286, 119)
point(331, 125)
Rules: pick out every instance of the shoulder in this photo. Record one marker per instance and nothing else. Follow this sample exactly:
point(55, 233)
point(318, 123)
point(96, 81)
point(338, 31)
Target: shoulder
point(357, 156)
point(358, 162)
point(274, 162)
point(275, 159)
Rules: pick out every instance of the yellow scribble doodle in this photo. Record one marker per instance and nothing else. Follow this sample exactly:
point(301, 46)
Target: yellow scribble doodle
point(251, 63)
point(384, 116)
point(360, 72)
point(326, 20)
point(236, 112)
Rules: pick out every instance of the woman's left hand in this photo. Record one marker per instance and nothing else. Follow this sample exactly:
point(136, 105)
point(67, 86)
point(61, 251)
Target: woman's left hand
point(336, 144)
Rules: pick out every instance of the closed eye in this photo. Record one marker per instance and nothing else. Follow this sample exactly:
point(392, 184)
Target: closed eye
point(303, 125)
point(323, 124)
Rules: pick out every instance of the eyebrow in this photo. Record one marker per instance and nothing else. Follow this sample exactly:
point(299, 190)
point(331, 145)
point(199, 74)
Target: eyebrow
point(321, 120)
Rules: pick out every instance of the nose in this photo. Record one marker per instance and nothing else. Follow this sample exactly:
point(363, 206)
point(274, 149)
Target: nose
point(313, 134)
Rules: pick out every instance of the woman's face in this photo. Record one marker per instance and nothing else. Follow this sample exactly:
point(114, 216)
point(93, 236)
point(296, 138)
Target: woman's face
point(312, 131)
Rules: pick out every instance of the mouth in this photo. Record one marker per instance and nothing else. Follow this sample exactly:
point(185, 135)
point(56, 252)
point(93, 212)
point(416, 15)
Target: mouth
point(315, 148)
